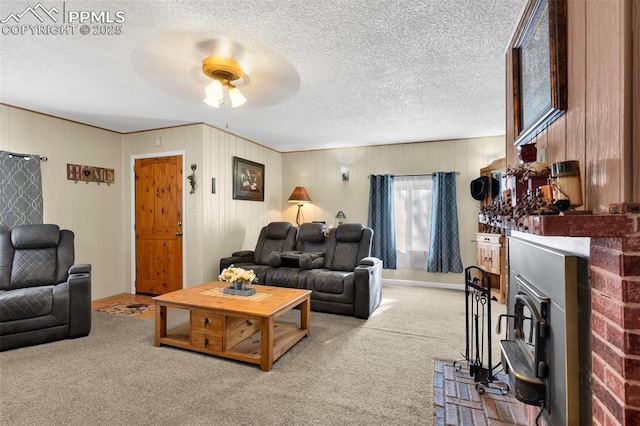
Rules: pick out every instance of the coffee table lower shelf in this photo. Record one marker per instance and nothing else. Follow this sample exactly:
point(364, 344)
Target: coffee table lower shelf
point(285, 336)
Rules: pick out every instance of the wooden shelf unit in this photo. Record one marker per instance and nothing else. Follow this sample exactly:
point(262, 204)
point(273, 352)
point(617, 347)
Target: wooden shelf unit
point(491, 246)
point(491, 258)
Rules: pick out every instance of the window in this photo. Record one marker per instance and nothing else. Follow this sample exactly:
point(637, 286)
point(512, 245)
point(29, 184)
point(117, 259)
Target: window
point(412, 210)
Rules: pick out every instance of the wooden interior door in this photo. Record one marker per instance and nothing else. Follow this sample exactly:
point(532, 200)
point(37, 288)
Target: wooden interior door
point(158, 224)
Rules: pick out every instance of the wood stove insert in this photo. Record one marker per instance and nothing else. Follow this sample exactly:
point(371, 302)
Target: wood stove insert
point(526, 354)
point(541, 352)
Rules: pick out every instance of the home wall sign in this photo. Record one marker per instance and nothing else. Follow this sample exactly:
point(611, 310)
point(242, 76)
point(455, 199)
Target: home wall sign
point(78, 172)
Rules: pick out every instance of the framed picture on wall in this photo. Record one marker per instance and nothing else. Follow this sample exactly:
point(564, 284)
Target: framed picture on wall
point(539, 68)
point(248, 180)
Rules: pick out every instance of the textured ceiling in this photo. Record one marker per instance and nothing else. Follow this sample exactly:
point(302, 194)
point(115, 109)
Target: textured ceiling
point(320, 74)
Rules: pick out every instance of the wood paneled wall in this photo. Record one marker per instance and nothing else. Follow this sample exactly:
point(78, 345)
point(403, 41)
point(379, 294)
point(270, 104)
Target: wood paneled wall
point(93, 212)
point(320, 173)
point(100, 215)
point(599, 128)
point(215, 225)
point(229, 225)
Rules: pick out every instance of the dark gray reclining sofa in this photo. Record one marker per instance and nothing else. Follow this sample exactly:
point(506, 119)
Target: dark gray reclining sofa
point(43, 295)
point(342, 276)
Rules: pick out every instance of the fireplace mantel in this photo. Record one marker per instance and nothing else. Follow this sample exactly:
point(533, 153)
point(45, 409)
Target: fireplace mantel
point(606, 225)
point(588, 225)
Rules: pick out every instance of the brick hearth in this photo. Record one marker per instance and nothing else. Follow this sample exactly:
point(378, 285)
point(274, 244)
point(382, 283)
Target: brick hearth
point(456, 401)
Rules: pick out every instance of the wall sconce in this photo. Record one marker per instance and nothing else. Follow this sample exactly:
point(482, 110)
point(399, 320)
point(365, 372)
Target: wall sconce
point(345, 173)
point(192, 178)
point(340, 216)
point(300, 196)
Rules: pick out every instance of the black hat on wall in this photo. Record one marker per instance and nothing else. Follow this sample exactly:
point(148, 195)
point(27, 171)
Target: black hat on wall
point(480, 187)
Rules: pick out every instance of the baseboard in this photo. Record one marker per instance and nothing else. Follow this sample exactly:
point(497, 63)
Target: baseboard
point(410, 283)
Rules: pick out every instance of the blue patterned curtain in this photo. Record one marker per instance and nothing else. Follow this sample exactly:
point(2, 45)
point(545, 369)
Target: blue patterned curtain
point(444, 247)
point(380, 219)
point(20, 190)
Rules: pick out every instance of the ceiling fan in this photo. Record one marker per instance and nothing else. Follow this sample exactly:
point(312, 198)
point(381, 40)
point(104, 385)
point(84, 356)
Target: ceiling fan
point(265, 77)
point(223, 71)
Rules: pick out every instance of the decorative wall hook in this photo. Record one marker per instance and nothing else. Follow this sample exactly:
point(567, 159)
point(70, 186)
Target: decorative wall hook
point(192, 178)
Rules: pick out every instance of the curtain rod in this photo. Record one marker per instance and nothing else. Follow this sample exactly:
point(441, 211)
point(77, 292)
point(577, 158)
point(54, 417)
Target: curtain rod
point(27, 156)
point(419, 174)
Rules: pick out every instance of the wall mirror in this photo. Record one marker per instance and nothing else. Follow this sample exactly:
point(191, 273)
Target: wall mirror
point(496, 170)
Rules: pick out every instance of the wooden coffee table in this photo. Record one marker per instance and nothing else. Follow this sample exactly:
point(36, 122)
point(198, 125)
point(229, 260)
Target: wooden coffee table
point(237, 327)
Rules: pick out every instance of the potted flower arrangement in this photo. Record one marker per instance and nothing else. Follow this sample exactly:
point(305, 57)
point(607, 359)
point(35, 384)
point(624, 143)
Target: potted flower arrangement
point(238, 278)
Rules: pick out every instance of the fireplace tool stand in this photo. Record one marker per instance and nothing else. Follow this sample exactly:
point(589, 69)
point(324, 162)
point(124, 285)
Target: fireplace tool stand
point(478, 349)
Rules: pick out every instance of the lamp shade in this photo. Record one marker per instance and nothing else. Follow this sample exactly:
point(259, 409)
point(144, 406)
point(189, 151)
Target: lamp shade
point(340, 215)
point(299, 195)
point(214, 94)
point(236, 97)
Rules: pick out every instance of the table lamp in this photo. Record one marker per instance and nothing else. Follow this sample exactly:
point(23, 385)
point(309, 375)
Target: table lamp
point(300, 196)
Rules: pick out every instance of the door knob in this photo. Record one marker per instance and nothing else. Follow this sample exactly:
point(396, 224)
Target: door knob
point(179, 234)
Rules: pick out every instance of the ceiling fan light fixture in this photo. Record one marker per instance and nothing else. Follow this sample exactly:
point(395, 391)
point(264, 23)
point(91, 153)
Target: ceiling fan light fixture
point(214, 89)
point(214, 94)
point(223, 71)
point(237, 99)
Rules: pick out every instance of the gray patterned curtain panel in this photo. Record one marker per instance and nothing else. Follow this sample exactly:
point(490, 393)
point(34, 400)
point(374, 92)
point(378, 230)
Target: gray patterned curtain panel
point(380, 219)
point(444, 247)
point(20, 189)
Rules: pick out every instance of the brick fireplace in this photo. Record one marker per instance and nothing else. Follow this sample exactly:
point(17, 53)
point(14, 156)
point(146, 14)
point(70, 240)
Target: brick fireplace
point(615, 298)
point(614, 266)
point(600, 129)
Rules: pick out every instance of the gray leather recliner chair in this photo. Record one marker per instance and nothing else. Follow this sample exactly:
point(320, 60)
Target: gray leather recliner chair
point(275, 237)
point(351, 281)
point(43, 295)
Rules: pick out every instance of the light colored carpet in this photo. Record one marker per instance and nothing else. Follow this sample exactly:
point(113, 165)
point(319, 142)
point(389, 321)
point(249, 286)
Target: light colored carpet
point(348, 371)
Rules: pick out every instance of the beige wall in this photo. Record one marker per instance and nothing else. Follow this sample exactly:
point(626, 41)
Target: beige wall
point(93, 212)
point(230, 225)
point(185, 141)
point(319, 173)
point(215, 225)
